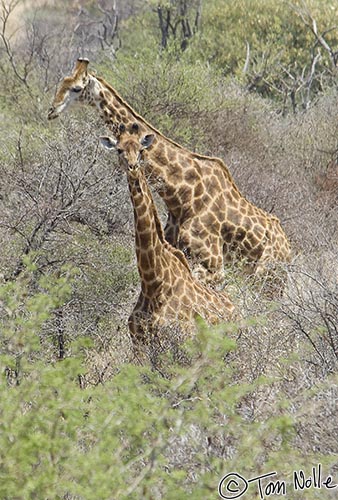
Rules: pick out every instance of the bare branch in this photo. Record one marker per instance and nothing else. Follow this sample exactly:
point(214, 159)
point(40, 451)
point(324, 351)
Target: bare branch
point(6, 11)
point(247, 58)
point(311, 23)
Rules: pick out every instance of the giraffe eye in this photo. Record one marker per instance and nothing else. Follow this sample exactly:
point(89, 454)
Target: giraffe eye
point(76, 89)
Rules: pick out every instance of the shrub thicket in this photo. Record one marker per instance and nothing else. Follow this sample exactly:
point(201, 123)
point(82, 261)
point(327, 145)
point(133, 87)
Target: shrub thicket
point(139, 433)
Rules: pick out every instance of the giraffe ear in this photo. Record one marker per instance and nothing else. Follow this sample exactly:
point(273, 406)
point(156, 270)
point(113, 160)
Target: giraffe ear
point(147, 140)
point(108, 142)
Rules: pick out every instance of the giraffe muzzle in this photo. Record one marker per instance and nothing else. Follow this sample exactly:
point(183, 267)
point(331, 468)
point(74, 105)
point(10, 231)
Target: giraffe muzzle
point(133, 167)
point(52, 114)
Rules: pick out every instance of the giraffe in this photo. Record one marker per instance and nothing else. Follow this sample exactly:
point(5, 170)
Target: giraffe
point(208, 217)
point(169, 292)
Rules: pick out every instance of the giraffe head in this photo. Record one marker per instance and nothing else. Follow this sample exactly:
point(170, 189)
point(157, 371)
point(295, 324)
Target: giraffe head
point(129, 147)
point(71, 89)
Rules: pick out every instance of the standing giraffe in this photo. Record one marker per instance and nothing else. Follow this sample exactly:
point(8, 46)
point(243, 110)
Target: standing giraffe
point(208, 216)
point(169, 292)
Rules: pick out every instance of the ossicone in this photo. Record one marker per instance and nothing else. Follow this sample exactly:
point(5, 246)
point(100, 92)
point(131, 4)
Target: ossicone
point(81, 65)
point(135, 127)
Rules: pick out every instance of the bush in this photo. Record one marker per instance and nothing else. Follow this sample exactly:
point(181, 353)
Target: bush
point(137, 434)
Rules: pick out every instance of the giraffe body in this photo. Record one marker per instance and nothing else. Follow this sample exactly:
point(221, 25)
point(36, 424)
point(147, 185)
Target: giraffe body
point(169, 292)
point(209, 219)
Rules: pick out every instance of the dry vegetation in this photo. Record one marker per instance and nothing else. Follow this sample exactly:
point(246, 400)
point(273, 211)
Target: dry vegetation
point(66, 221)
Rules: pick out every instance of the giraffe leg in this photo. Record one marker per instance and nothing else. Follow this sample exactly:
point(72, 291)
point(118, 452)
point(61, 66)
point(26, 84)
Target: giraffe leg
point(205, 256)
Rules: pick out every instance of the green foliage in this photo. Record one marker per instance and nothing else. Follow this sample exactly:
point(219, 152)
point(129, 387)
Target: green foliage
point(23, 314)
point(122, 438)
point(278, 35)
point(275, 31)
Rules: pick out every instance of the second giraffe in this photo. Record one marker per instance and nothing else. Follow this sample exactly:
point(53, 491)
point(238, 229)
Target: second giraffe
point(169, 293)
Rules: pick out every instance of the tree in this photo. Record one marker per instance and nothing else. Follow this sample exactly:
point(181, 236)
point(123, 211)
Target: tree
point(178, 20)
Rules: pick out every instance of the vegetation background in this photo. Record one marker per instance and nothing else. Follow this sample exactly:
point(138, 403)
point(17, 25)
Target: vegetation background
point(251, 81)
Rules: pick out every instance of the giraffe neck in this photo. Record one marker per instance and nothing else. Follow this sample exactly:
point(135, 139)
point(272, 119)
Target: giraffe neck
point(149, 235)
point(114, 111)
point(170, 165)
point(111, 107)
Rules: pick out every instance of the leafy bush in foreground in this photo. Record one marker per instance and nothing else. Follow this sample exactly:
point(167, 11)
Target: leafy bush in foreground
point(138, 434)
